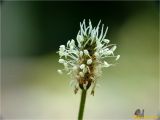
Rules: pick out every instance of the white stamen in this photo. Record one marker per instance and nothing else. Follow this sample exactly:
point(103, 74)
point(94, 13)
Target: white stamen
point(89, 61)
point(61, 61)
point(82, 66)
point(96, 54)
point(118, 56)
point(105, 33)
point(100, 37)
point(79, 38)
point(109, 52)
point(81, 74)
point(106, 41)
point(113, 48)
point(84, 70)
point(60, 71)
point(81, 53)
point(106, 64)
point(86, 52)
point(90, 26)
point(62, 47)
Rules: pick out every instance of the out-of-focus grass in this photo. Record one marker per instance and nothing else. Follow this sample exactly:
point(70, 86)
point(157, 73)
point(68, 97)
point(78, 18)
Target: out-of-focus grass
point(40, 92)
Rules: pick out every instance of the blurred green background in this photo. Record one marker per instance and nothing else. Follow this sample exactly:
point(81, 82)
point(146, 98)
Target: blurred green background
point(31, 35)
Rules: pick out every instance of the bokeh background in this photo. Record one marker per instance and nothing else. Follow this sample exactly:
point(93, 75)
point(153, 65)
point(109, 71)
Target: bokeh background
point(31, 88)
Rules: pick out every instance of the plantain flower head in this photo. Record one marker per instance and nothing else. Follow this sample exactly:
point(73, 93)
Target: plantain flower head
point(85, 57)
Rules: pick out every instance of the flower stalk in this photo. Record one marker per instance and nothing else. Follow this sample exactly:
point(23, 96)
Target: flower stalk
point(82, 104)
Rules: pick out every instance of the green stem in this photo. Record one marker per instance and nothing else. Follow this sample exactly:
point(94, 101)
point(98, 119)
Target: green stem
point(82, 104)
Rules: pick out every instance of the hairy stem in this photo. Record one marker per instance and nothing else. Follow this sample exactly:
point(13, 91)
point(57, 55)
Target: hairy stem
point(82, 104)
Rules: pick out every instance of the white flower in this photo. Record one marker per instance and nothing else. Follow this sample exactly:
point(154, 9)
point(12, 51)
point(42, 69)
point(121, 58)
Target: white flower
point(83, 58)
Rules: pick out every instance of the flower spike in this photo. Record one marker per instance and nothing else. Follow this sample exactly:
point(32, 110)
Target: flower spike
point(84, 60)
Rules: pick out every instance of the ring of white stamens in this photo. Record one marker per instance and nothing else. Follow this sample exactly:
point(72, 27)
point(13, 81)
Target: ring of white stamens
point(84, 60)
